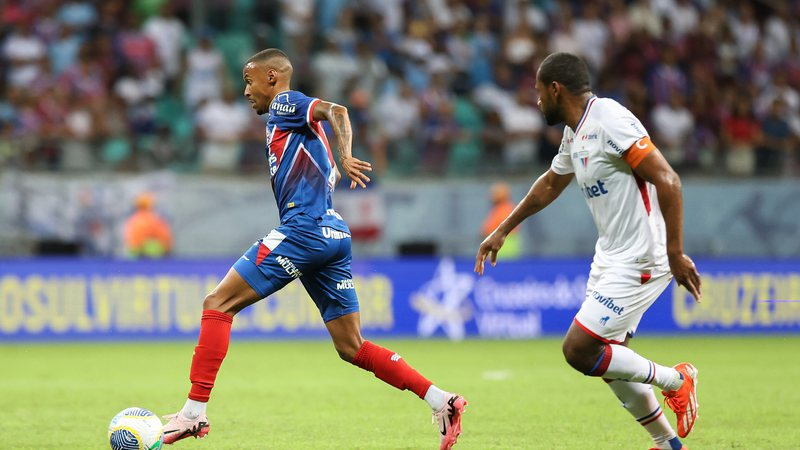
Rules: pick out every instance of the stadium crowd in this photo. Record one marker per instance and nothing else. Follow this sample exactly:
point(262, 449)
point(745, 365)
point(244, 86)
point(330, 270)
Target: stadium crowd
point(437, 87)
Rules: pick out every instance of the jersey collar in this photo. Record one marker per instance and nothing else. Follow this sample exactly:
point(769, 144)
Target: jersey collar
point(585, 112)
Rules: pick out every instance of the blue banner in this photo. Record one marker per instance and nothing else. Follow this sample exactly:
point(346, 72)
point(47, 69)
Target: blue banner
point(51, 299)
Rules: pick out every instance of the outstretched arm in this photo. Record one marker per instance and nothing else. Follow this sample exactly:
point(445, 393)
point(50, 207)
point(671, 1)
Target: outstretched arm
point(337, 116)
point(656, 170)
point(544, 190)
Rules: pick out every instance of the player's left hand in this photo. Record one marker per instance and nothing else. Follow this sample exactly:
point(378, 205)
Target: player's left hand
point(354, 168)
point(685, 273)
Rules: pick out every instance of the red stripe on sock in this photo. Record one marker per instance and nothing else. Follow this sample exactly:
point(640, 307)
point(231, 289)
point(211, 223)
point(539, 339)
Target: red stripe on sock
point(653, 419)
point(212, 346)
point(391, 368)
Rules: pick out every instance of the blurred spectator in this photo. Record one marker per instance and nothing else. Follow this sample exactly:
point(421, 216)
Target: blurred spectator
point(592, 35)
point(139, 87)
point(371, 71)
point(147, 234)
point(81, 129)
point(684, 19)
point(777, 34)
point(564, 39)
point(459, 61)
point(169, 35)
point(523, 124)
point(78, 14)
point(23, 50)
point(85, 78)
point(673, 124)
point(775, 151)
point(221, 124)
point(396, 116)
point(484, 45)
point(205, 71)
point(519, 46)
point(64, 49)
point(135, 47)
point(495, 92)
point(741, 134)
point(502, 205)
point(619, 21)
point(747, 30)
point(645, 19)
point(333, 71)
point(667, 78)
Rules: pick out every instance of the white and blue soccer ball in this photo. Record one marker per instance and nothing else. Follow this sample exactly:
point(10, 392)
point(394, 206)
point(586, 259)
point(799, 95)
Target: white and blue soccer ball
point(135, 429)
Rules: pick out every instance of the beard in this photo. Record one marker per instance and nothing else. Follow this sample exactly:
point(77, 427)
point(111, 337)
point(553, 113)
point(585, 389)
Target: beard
point(552, 115)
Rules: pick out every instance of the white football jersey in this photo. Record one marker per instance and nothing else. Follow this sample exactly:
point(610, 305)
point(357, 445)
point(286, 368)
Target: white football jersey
point(631, 230)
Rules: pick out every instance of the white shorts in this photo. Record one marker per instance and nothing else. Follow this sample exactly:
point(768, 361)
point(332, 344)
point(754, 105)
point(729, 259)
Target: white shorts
point(615, 301)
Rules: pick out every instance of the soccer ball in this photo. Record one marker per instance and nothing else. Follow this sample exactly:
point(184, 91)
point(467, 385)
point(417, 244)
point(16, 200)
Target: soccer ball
point(135, 429)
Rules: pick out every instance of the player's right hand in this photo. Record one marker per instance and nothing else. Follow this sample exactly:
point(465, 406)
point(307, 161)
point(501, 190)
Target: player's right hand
point(685, 273)
point(354, 168)
point(490, 245)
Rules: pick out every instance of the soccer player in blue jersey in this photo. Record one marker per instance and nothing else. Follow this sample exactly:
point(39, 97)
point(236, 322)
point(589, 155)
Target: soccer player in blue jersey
point(312, 243)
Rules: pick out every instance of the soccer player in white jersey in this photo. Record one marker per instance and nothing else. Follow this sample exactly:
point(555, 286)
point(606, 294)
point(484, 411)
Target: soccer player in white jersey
point(635, 199)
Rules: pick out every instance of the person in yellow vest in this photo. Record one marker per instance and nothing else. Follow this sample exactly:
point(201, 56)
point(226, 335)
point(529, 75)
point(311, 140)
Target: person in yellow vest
point(147, 234)
point(502, 205)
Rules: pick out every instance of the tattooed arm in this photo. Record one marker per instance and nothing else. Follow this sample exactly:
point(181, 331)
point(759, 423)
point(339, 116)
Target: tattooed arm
point(337, 116)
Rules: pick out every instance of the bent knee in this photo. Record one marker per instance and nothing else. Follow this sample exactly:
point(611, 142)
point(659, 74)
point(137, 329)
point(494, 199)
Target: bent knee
point(347, 352)
point(222, 303)
point(581, 359)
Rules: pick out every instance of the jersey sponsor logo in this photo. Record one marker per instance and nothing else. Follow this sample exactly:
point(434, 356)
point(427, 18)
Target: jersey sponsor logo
point(604, 320)
point(330, 233)
point(332, 212)
point(589, 137)
point(289, 266)
point(345, 284)
point(595, 190)
point(635, 126)
point(608, 302)
point(282, 107)
point(616, 147)
point(273, 164)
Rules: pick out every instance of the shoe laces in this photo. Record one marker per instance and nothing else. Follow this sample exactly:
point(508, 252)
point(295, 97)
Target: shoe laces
point(675, 402)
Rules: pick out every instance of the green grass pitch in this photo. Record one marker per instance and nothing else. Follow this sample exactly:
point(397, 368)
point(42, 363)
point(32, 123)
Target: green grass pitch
point(299, 395)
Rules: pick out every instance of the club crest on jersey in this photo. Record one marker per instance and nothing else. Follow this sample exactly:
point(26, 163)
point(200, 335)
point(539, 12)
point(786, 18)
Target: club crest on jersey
point(282, 107)
point(583, 157)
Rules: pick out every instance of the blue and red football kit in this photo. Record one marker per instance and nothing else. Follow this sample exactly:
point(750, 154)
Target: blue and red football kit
point(312, 242)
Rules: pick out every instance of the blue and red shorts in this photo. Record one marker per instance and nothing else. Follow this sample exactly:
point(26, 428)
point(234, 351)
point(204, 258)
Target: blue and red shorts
point(319, 256)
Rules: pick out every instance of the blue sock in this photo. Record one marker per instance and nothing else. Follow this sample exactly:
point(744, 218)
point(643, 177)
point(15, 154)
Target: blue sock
point(675, 443)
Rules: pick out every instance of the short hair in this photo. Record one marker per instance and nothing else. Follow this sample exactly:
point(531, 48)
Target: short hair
point(566, 69)
point(267, 55)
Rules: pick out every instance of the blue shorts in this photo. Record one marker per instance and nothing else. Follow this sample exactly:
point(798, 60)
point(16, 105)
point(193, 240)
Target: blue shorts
point(319, 256)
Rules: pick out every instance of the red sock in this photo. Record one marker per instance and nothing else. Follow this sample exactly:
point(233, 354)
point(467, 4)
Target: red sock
point(391, 368)
point(212, 345)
